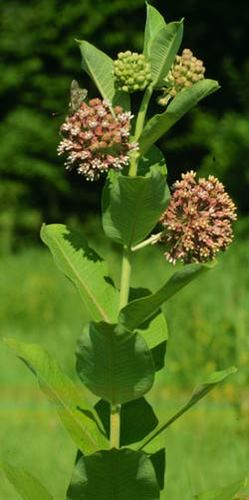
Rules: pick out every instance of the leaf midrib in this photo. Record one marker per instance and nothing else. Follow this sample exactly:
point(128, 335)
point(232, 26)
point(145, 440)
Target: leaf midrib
point(103, 90)
point(100, 309)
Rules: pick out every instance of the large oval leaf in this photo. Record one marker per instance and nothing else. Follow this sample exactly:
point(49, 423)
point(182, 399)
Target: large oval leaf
point(99, 66)
point(114, 364)
point(164, 48)
point(159, 124)
point(132, 205)
point(140, 310)
point(70, 403)
point(114, 475)
point(26, 485)
point(85, 268)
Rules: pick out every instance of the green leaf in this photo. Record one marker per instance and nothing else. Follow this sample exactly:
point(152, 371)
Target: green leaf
point(137, 419)
point(114, 363)
point(200, 391)
point(99, 66)
point(226, 493)
point(68, 400)
point(159, 124)
point(85, 268)
point(114, 474)
point(140, 310)
point(26, 485)
point(154, 22)
point(132, 205)
point(158, 460)
point(164, 48)
point(154, 330)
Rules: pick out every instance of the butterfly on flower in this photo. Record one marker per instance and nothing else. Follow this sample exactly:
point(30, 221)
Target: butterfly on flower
point(77, 96)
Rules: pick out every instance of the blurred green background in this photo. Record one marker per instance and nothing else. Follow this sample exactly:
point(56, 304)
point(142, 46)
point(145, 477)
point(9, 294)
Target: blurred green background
point(208, 321)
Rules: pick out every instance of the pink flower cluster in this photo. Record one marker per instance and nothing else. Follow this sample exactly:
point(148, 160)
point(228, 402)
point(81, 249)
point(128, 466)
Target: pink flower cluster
point(198, 220)
point(95, 140)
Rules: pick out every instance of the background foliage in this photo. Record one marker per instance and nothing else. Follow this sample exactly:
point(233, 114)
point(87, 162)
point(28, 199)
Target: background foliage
point(40, 58)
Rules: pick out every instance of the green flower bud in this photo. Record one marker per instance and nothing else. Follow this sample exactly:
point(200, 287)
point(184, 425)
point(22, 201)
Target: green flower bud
point(185, 71)
point(131, 72)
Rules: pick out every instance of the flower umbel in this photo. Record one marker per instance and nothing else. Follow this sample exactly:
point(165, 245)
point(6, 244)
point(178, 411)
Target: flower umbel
point(198, 220)
point(185, 71)
point(131, 72)
point(95, 140)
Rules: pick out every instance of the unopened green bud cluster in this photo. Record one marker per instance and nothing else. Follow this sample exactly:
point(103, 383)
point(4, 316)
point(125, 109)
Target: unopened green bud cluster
point(185, 71)
point(131, 72)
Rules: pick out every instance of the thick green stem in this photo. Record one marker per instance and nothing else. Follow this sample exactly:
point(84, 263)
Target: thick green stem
point(124, 296)
point(115, 426)
point(139, 128)
point(142, 112)
point(125, 277)
point(126, 264)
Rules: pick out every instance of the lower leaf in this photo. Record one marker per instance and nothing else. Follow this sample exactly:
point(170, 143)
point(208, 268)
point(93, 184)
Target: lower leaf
point(114, 475)
point(72, 407)
point(26, 485)
point(210, 383)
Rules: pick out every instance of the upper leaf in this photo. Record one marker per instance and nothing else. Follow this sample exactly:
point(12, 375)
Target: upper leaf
point(85, 268)
point(164, 48)
point(26, 485)
point(132, 205)
point(154, 330)
point(70, 403)
point(114, 475)
point(138, 311)
point(114, 364)
point(159, 124)
point(154, 22)
point(99, 66)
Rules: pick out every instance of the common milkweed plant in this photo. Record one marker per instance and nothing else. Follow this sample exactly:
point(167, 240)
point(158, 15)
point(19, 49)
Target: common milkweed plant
point(119, 442)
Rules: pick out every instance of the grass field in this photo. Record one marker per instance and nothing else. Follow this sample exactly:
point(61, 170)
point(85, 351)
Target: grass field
point(208, 324)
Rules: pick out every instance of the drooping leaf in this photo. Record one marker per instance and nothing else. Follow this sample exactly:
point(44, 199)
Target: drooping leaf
point(163, 50)
point(132, 205)
point(85, 268)
point(137, 419)
point(26, 485)
point(226, 493)
point(154, 22)
point(114, 363)
point(154, 330)
point(140, 310)
point(68, 400)
point(200, 391)
point(114, 475)
point(159, 124)
point(99, 66)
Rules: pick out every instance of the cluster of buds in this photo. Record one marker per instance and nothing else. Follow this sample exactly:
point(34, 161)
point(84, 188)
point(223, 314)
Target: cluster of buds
point(95, 140)
point(198, 220)
point(131, 72)
point(185, 71)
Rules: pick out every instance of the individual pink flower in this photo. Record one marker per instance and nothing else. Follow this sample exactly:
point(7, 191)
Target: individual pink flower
point(198, 220)
point(95, 140)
